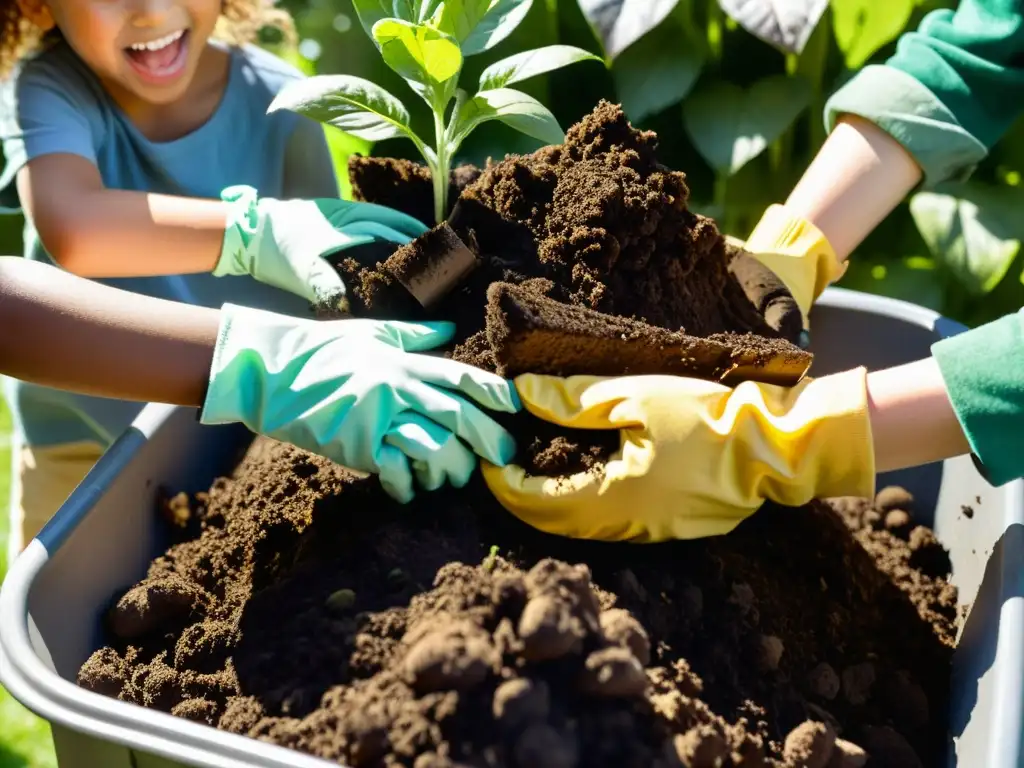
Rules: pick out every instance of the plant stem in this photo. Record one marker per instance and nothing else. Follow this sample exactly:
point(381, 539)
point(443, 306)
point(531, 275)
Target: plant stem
point(440, 173)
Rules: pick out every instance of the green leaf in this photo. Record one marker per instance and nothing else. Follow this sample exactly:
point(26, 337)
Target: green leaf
point(428, 59)
point(786, 24)
point(915, 279)
point(620, 23)
point(658, 71)
point(523, 66)
point(352, 104)
point(731, 126)
point(372, 11)
point(512, 107)
point(975, 233)
point(479, 25)
point(862, 27)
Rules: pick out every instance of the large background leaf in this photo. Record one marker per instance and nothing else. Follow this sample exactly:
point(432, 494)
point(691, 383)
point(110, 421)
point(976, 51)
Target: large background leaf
point(352, 104)
point(975, 231)
point(862, 27)
point(527, 64)
point(731, 126)
point(659, 69)
point(786, 24)
point(620, 23)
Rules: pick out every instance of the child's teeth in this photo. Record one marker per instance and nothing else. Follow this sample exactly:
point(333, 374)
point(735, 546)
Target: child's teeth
point(156, 45)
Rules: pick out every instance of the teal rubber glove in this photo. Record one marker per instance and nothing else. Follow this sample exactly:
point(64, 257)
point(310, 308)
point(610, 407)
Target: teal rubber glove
point(284, 242)
point(355, 392)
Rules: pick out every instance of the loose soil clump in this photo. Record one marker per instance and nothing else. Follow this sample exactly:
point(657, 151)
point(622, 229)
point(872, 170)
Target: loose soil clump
point(298, 605)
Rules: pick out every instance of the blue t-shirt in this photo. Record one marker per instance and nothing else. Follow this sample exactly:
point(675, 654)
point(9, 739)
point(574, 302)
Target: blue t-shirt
point(54, 104)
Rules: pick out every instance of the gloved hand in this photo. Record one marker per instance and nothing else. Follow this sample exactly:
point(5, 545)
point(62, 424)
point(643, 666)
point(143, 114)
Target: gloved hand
point(696, 457)
point(796, 251)
point(353, 391)
point(283, 242)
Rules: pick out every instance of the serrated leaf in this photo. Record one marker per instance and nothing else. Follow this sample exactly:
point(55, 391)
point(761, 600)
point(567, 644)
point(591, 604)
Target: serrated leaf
point(479, 25)
point(658, 71)
point(428, 59)
point(861, 27)
point(975, 233)
point(786, 24)
point(731, 126)
point(620, 23)
point(352, 104)
point(523, 66)
point(514, 108)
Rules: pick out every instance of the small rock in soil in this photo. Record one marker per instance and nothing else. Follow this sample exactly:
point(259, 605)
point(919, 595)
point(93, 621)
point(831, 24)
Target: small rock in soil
point(823, 681)
point(894, 497)
point(809, 745)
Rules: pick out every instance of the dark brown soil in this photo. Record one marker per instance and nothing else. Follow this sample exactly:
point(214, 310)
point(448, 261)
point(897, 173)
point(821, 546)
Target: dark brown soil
point(304, 609)
point(595, 223)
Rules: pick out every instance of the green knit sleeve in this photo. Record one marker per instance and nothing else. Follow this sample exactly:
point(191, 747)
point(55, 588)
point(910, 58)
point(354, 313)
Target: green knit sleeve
point(951, 90)
point(983, 370)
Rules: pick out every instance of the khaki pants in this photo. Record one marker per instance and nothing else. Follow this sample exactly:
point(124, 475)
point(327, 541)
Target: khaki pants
point(41, 481)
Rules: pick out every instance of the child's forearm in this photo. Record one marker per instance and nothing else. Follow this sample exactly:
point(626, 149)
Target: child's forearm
point(912, 419)
point(138, 234)
point(98, 232)
point(69, 333)
point(858, 177)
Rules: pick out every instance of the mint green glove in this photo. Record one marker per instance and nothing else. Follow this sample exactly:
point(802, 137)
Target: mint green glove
point(352, 390)
point(283, 242)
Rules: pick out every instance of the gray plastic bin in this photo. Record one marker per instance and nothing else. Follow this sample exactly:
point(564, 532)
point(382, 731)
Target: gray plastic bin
point(106, 534)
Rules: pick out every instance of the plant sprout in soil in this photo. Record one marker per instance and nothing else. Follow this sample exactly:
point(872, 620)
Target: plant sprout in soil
point(426, 42)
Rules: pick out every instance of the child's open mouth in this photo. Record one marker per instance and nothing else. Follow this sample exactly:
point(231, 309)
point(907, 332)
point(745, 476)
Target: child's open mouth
point(162, 60)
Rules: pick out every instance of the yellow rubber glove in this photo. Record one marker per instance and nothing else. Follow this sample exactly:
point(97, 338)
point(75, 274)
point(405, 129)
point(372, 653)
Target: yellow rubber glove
point(696, 457)
point(796, 251)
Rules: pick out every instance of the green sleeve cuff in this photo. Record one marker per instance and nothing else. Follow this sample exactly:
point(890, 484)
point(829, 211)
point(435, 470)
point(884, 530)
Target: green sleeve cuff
point(983, 370)
point(905, 109)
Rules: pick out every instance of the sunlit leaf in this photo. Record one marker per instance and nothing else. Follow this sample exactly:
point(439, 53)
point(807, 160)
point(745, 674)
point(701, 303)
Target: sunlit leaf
point(861, 27)
point(620, 23)
point(514, 108)
point(786, 24)
point(352, 104)
point(523, 66)
point(975, 233)
point(430, 60)
point(731, 126)
point(372, 11)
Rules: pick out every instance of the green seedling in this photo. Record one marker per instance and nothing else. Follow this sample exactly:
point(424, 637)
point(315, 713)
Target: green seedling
point(426, 42)
point(491, 559)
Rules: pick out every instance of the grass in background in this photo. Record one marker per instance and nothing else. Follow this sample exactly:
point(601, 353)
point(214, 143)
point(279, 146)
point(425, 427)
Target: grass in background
point(24, 738)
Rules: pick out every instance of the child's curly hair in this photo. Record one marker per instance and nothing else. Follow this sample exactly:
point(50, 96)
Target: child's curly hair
point(240, 23)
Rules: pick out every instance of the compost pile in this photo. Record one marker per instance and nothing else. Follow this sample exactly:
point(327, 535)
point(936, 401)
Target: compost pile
point(299, 606)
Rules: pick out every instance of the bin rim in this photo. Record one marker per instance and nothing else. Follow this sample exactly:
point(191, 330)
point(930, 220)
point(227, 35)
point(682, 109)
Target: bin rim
point(61, 701)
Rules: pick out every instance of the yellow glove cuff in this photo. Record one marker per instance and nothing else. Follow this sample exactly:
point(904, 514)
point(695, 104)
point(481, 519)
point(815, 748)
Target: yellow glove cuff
point(796, 251)
point(819, 434)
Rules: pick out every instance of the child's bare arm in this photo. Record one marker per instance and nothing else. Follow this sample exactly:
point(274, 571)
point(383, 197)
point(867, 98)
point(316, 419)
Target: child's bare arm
point(98, 232)
point(74, 334)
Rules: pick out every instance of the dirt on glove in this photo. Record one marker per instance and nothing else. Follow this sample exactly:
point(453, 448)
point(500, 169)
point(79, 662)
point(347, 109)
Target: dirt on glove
point(300, 606)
